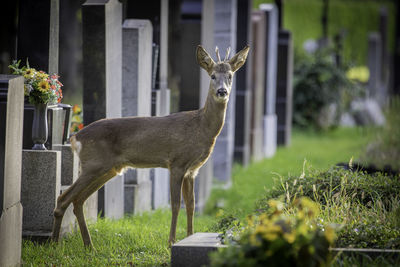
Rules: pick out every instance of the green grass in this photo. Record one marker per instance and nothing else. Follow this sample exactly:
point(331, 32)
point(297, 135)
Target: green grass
point(142, 240)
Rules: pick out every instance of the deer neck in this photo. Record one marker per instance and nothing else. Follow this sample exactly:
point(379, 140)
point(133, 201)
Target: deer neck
point(214, 114)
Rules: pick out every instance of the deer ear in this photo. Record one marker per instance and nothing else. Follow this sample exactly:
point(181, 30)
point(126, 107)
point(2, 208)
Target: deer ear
point(239, 59)
point(204, 59)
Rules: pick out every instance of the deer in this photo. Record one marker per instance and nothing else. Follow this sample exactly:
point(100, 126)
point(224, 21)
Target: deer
point(181, 142)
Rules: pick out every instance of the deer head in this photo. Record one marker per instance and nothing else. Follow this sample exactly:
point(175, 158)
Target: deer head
point(221, 73)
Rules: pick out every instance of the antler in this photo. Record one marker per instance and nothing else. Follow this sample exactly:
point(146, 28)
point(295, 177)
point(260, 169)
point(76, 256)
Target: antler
point(217, 53)
point(228, 51)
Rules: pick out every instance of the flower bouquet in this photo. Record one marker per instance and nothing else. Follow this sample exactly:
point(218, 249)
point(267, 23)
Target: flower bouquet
point(41, 89)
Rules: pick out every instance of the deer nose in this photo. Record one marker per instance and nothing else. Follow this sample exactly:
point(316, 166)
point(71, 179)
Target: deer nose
point(222, 92)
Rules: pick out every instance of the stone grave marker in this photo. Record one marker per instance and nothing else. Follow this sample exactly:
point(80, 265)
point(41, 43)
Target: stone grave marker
point(270, 119)
point(11, 118)
point(258, 86)
point(136, 101)
point(284, 88)
point(243, 85)
point(224, 29)
point(102, 46)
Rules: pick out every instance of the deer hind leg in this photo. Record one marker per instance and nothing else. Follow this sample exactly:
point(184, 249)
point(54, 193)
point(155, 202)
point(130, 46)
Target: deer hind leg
point(176, 179)
point(188, 196)
point(87, 183)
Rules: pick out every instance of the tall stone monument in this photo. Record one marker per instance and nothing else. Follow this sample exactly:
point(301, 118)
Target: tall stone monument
point(11, 117)
point(102, 65)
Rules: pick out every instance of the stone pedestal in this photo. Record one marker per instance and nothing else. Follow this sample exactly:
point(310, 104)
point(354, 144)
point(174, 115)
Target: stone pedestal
point(193, 250)
point(102, 71)
point(138, 191)
point(11, 117)
point(40, 187)
point(271, 35)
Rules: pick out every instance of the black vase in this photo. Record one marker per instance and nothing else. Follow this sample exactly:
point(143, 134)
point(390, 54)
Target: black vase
point(39, 127)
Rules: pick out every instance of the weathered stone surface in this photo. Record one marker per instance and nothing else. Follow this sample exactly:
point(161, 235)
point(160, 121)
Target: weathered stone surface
point(270, 123)
point(69, 222)
point(160, 187)
point(40, 187)
point(11, 117)
point(69, 164)
point(367, 112)
point(138, 197)
point(193, 250)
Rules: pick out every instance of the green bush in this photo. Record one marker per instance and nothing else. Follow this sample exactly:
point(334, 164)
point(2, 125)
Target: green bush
point(317, 83)
point(366, 206)
point(285, 235)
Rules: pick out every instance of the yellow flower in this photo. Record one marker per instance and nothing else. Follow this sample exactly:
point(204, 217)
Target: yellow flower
point(29, 73)
point(26, 90)
point(42, 75)
point(290, 237)
point(43, 86)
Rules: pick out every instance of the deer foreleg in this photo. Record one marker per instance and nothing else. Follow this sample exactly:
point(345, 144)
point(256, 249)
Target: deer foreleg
point(188, 196)
point(78, 211)
point(176, 179)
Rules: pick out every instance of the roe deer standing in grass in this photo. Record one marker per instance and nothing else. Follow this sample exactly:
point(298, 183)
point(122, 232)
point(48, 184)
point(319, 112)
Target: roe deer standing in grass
point(181, 142)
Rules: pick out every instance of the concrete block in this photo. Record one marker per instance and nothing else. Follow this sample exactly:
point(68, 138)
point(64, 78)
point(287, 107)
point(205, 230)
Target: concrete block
point(69, 222)
point(138, 197)
point(114, 197)
point(69, 164)
point(90, 208)
point(193, 250)
point(40, 187)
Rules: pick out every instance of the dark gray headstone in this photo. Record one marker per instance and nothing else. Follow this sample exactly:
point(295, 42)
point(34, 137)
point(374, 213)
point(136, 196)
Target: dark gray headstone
point(38, 32)
point(11, 117)
point(225, 15)
point(136, 101)
point(376, 89)
point(243, 85)
point(284, 89)
point(102, 46)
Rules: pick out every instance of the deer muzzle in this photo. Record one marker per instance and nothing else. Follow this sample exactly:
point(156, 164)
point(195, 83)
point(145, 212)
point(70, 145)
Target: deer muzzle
point(222, 92)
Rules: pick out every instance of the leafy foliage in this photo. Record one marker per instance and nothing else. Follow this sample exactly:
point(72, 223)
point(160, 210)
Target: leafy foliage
point(281, 238)
point(317, 84)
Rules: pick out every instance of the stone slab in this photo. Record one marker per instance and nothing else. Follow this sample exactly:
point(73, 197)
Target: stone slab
point(90, 208)
point(193, 250)
point(40, 187)
point(114, 196)
point(69, 164)
point(11, 236)
point(69, 222)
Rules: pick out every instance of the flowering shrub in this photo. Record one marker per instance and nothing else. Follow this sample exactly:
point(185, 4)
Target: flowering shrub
point(39, 86)
point(76, 121)
point(282, 236)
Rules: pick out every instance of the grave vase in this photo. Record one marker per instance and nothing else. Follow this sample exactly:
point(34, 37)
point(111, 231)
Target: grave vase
point(39, 126)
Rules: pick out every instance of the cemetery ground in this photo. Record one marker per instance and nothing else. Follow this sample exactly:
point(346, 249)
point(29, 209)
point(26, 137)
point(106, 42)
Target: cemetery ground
point(141, 240)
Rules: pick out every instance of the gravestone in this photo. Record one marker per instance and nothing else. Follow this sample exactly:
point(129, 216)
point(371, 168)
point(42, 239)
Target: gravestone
point(102, 46)
point(243, 85)
point(38, 32)
point(136, 101)
point(270, 119)
point(375, 86)
point(225, 15)
point(284, 87)
point(258, 86)
point(11, 117)
point(193, 250)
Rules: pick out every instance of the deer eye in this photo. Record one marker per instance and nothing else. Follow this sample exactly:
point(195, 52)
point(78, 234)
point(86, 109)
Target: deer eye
point(213, 77)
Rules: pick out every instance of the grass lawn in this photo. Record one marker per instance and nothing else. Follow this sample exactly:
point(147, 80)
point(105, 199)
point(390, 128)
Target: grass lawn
point(142, 240)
